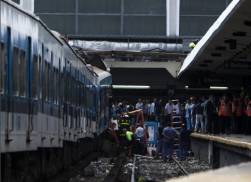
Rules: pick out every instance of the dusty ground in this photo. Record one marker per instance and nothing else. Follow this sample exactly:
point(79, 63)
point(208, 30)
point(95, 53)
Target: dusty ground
point(146, 169)
point(149, 169)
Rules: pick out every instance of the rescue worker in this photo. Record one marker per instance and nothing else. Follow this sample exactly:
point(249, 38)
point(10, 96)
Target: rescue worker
point(248, 121)
point(124, 126)
point(140, 140)
point(108, 141)
point(111, 133)
point(169, 135)
point(124, 121)
point(129, 137)
point(225, 112)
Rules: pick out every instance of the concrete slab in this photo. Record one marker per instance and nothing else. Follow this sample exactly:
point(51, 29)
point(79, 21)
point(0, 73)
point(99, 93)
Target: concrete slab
point(221, 150)
point(240, 173)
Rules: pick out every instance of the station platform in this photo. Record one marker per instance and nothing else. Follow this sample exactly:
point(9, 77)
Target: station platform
point(221, 150)
point(240, 173)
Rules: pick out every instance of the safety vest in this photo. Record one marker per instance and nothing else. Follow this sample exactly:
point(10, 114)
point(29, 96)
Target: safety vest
point(129, 135)
point(248, 111)
point(224, 109)
point(236, 107)
point(124, 122)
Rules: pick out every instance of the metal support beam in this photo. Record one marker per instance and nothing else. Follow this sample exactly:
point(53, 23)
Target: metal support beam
point(172, 18)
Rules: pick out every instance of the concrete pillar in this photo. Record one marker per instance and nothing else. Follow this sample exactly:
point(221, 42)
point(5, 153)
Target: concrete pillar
point(172, 18)
point(210, 153)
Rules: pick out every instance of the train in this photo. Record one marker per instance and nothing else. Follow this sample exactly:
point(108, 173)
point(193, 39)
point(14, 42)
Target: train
point(48, 93)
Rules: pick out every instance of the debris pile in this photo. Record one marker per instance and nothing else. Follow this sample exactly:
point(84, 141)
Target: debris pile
point(96, 171)
point(150, 169)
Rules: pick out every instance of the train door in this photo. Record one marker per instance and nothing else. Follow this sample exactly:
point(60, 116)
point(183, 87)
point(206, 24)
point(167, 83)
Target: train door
point(66, 96)
point(8, 85)
point(59, 98)
point(29, 94)
point(3, 62)
point(1, 89)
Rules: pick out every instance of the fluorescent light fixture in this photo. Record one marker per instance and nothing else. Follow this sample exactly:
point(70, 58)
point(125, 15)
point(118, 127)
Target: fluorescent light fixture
point(131, 87)
point(186, 87)
point(218, 88)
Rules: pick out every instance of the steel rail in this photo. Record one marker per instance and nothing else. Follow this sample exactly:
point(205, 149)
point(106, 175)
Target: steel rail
point(184, 171)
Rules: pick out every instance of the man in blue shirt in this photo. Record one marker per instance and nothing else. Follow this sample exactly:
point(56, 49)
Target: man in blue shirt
point(169, 135)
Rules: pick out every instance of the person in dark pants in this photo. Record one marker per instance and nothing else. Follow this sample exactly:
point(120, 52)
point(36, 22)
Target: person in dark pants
point(209, 114)
point(184, 142)
point(160, 142)
point(237, 111)
point(168, 112)
point(140, 140)
point(169, 135)
point(248, 121)
point(225, 113)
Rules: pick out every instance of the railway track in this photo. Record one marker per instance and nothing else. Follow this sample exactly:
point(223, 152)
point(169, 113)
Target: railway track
point(181, 167)
point(116, 170)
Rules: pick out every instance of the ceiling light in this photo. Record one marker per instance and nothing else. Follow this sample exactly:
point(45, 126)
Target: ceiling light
point(131, 87)
point(218, 88)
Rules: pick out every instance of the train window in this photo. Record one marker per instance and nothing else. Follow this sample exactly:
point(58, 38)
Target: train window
point(2, 67)
point(35, 76)
point(16, 1)
point(72, 90)
point(51, 82)
point(39, 76)
point(48, 82)
point(51, 79)
point(58, 93)
point(65, 86)
point(22, 74)
point(46, 78)
point(54, 86)
point(16, 71)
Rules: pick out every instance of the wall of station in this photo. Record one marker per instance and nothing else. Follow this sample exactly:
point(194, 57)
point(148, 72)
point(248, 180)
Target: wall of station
point(128, 17)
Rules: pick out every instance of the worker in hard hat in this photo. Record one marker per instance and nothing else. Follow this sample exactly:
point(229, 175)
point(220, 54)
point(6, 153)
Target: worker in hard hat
point(130, 140)
point(193, 44)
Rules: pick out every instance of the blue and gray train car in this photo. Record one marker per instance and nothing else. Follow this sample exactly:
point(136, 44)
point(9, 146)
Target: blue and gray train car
point(48, 93)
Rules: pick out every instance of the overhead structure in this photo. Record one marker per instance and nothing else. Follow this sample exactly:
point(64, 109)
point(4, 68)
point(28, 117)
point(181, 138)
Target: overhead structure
point(226, 47)
point(132, 54)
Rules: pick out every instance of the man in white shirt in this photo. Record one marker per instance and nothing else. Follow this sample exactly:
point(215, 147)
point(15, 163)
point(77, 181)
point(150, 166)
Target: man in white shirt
point(153, 110)
point(176, 107)
point(139, 104)
point(168, 112)
point(169, 108)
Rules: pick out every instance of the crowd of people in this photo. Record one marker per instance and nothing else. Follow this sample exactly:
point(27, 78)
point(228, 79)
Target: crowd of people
point(208, 114)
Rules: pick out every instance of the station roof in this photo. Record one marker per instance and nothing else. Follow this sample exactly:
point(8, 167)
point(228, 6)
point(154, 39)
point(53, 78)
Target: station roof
point(226, 47)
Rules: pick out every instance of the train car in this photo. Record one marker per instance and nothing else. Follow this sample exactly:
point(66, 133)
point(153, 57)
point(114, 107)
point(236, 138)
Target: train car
point(48, 93)
point(102, 98)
